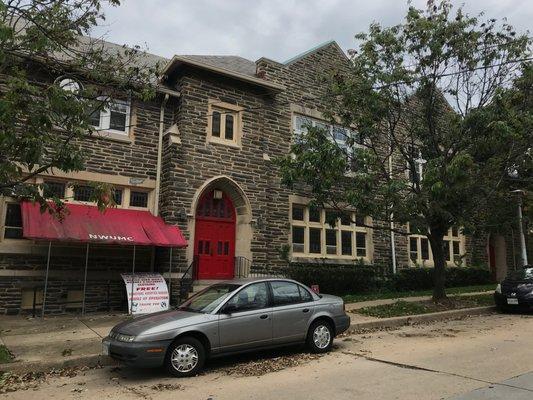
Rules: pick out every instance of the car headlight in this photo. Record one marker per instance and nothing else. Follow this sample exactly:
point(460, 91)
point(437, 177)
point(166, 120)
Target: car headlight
point(121, 337)
point(498, 288)
point(125, 338)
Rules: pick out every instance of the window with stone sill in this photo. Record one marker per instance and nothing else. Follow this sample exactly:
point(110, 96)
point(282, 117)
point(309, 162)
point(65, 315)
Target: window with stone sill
point(313, 236)
point(117, 196)
point(54, 189)
point(420, 249)
point(124, 197)
point(416, 166)
point(12, 221)
point(138, 199)
point(341, 135)
point(83, 193)
point(114, 118)
point(224, 123)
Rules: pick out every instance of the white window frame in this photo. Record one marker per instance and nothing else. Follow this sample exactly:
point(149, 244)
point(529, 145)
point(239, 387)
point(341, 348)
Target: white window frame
point(449, 237)
point(306, 224)
point(224, 109)
point(420, 163)
point(105, 117)
point(300, 130)
point(126, 192)
point(4, 202)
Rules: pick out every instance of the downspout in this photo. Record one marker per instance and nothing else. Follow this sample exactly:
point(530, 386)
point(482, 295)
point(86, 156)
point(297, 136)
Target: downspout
point(393, 244)
point(159, 153)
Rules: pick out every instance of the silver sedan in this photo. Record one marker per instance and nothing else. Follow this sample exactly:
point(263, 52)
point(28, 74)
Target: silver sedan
point(229, 317)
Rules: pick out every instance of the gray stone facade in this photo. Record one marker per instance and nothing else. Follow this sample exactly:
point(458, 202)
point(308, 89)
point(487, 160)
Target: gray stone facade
point(190, 166)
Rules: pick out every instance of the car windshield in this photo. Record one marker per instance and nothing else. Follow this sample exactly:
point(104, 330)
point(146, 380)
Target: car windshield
point(208, 299)
point(523, 273)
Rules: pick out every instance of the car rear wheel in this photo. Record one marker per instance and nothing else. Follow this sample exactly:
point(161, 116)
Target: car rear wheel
point(185, 357)
point(320, 337)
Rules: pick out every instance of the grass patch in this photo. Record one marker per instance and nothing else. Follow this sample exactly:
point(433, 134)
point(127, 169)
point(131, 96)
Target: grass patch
point(5, 355)
point(403, 308)
point(354, 298)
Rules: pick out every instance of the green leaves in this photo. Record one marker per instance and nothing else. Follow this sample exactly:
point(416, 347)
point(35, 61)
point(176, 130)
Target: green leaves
point(445, 106)
point(42, 125)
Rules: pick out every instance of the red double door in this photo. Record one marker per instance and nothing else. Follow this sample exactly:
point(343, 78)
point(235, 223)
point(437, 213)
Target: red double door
point(214, 239)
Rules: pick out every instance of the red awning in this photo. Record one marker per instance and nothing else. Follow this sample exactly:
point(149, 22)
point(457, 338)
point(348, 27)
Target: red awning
point(87, 224)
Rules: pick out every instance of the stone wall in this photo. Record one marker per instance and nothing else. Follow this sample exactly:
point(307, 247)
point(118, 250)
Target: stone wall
point(105, 289)
point(306, 80)
point(190, 162)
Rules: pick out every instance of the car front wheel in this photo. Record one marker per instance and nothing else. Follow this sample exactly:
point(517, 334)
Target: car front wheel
point(185, 357)
point(320, 337)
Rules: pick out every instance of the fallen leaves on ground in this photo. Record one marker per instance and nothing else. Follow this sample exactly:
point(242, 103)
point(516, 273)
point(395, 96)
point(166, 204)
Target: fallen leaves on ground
point(11, 382)
point(265, 366)
point(160, 387)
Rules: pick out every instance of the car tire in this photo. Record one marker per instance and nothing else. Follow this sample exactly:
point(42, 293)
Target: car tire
point(320, 337)
point(502, 309)
point(185, 357)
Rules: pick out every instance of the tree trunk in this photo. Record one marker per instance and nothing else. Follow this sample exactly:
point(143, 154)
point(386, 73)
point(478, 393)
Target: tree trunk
point(439, 270)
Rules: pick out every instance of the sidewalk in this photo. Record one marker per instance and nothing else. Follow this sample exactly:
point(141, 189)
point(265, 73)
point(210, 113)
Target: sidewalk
point(371, 303)
point(55, 341)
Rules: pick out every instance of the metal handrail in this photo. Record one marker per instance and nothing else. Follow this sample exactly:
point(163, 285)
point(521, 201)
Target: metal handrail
point(243, 267)
point(187, 279)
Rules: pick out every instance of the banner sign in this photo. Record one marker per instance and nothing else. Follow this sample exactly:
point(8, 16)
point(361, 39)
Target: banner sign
point(150, 293)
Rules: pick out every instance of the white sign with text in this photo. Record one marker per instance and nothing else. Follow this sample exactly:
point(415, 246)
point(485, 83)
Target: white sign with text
point(147, 293)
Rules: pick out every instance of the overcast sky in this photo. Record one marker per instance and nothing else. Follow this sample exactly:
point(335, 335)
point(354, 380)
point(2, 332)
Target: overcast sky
point(277, 29)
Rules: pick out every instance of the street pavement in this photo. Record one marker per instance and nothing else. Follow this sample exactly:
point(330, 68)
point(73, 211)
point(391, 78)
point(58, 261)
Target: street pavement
point(482, 357)
point(517, 388)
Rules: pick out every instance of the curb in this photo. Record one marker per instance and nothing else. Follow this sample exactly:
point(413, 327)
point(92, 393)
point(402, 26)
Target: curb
point(420, 318)
point(377, 302)
point(91, 361)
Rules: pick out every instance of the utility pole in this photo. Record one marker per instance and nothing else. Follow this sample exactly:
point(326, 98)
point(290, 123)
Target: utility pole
point(523, 249)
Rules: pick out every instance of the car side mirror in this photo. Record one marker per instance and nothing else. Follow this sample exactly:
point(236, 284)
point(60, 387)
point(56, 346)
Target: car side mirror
point(229, 309)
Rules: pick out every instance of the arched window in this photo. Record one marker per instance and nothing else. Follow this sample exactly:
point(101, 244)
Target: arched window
point(215, 204)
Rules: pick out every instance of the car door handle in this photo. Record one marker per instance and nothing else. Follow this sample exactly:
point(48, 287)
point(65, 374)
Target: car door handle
point(264, 316)
point(305, 310)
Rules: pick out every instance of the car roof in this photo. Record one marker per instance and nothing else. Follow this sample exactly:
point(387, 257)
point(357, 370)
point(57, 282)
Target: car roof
point(243, 281)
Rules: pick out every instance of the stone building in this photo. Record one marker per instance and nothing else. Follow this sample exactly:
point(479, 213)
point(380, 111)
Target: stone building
point(200, 155)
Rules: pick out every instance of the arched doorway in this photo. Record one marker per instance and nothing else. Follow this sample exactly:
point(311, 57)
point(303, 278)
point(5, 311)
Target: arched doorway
point(214, 238)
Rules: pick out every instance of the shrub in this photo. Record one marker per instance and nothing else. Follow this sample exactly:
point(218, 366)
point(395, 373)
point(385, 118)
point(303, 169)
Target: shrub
point(339, 279)
point(422, 278)
point(360, 278)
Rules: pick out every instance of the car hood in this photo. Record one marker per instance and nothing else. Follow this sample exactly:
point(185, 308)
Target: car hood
point(520, 286)
point(159, 322)
point(510, 281)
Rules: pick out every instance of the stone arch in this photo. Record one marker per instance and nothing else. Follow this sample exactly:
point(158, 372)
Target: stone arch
point(243, 209)
point(497, 250)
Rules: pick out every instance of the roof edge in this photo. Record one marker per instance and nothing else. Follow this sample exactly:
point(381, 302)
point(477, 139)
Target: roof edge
point(176, 60)
point(314, 50)
point(269, 60)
